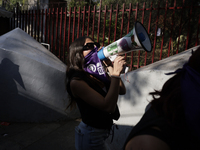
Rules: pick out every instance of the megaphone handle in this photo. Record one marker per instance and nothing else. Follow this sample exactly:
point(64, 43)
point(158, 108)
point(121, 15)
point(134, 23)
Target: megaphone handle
point(125, 69)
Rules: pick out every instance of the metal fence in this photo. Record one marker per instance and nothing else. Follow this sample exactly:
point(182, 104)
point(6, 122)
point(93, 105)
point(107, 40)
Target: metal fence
point(178, 27)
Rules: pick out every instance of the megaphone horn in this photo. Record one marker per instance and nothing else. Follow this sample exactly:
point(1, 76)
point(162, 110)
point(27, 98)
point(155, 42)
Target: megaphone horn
point(136, 39)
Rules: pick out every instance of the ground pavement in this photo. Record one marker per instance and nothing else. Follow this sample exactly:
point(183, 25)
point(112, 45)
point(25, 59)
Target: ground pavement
point(38, 136)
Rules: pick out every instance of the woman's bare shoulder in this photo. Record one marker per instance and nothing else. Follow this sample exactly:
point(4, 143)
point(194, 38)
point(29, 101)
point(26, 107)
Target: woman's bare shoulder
point(146, 142)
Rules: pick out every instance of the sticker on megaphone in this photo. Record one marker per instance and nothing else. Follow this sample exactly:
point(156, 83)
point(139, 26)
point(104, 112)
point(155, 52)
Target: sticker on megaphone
point(136, 39)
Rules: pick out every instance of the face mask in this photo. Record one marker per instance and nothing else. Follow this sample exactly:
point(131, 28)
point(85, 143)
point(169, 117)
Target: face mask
point(94, 66)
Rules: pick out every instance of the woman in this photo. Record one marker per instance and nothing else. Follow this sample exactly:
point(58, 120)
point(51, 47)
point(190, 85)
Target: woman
point(94, 91)
point(173, 120)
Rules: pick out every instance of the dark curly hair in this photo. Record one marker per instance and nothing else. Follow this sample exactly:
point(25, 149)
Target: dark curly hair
point(168, 101)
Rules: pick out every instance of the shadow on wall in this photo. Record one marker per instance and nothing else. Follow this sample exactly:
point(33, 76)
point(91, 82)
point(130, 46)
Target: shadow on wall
point(135, 89)
point(15, 107)
point(9, 73)
point(151, 77)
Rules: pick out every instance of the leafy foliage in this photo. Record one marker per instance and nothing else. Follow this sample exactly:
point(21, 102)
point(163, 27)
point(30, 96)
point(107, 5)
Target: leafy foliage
point(81, 3)
point(10, 4)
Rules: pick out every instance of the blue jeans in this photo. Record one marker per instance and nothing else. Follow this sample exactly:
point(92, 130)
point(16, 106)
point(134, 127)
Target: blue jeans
point(90, 138)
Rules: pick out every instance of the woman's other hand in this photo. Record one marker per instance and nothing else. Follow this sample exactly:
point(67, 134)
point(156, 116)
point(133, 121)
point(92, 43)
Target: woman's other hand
point(109, 65)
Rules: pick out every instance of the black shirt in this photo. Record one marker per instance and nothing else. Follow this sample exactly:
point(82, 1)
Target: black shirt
point(93, 116)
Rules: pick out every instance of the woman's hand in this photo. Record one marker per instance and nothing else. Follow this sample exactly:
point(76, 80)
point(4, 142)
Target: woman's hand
point(118, 65)
point(109, 65)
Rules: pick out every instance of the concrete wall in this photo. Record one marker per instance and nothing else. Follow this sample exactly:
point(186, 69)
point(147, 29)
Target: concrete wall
point(142, 81)
point(32, 87)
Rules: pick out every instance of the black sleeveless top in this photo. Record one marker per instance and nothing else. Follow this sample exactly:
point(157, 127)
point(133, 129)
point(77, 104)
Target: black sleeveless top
point(91, 115)
point(176, 139)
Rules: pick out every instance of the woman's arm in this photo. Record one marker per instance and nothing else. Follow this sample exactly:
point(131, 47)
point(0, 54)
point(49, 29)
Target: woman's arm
point(81, 89)
point(122, 88)
point(109, 66)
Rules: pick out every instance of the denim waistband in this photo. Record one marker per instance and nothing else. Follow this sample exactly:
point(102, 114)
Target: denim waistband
point(85, 126)
point(82, 124)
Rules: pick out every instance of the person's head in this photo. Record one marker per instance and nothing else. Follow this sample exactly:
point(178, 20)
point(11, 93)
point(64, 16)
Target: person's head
point(75, 61)
point(75, 58)
point(194, 60)
point(78, 50)
point(169, 101)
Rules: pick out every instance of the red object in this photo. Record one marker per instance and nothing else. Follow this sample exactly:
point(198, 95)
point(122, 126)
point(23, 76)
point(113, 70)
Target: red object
point(4, 123)
point(72, 23)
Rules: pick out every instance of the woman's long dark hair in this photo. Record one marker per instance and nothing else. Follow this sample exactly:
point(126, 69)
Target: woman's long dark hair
point(75, 63)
